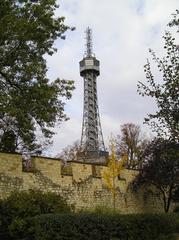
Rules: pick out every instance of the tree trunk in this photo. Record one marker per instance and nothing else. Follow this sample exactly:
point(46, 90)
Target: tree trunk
point(167, 200)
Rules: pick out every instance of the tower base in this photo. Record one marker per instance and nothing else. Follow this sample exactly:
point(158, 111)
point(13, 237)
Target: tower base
point(100, 157)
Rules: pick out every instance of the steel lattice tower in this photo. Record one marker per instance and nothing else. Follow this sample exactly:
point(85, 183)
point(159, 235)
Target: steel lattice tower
point(92, 141)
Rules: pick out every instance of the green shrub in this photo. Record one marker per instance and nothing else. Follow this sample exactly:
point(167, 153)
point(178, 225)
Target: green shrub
point(21, 205)
point(176, 210)
point(103, 227)
point(33, 216)
point(168, 237)
point(101, 210)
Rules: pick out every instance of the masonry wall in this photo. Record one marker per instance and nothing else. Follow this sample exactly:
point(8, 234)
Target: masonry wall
point(81, 184)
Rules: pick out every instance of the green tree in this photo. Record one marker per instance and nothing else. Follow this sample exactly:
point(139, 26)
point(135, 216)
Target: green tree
point(175, 20)
point(165, 91)
point(161, 169)
point(29, 102)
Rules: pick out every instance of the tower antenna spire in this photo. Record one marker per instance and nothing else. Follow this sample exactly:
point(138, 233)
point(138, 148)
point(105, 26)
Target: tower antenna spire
point(89, 44)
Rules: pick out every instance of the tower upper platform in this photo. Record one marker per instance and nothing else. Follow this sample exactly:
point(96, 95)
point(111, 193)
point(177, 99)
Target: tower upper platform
point(89, 64)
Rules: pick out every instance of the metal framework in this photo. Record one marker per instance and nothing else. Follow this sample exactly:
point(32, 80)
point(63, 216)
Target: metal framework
point(89, 45)
point(92, 138)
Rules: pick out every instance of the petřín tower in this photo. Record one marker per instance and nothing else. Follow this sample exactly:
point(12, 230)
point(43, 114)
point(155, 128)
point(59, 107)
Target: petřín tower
point(92, 143)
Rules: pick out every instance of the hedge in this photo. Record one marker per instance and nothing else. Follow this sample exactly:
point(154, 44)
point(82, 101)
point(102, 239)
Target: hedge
point(15, 209)
point(102, 227)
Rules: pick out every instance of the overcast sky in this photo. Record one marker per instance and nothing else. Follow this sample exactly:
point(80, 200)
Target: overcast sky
point(123, 31)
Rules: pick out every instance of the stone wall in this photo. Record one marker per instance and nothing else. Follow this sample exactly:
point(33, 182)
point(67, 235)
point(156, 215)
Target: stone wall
point(81, 184)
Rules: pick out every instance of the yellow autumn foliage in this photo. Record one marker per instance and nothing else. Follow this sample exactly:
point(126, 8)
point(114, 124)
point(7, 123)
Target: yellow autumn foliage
point(114, 169)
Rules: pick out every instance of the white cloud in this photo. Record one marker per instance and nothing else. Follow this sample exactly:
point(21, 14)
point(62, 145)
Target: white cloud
point(122, 33)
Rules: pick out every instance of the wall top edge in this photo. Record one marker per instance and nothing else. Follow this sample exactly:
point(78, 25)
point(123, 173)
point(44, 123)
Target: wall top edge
point(32, 156)
point(87, 163)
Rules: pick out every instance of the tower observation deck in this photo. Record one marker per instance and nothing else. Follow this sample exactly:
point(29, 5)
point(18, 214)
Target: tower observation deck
point(92, 142)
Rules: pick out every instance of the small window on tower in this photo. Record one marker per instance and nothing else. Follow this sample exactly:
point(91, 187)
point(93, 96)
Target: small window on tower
point(89, 62)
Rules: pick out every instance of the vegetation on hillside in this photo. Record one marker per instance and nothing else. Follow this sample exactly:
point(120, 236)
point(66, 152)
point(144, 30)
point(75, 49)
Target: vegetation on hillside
point(164, 88)
point(130, 144)
point(112, 173)
point(30, 104)
point(100, 227)
point(161, 157)
point(15, 209)
point(161, 170)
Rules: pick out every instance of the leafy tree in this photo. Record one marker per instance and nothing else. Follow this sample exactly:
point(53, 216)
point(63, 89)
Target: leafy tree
point(161, 169)
point(165, 91)
point(175, 20)
point(131, 143)
point(176, 195)
point(29, 102)
point(113, 171)
point(8, 141)
point(70, 152)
